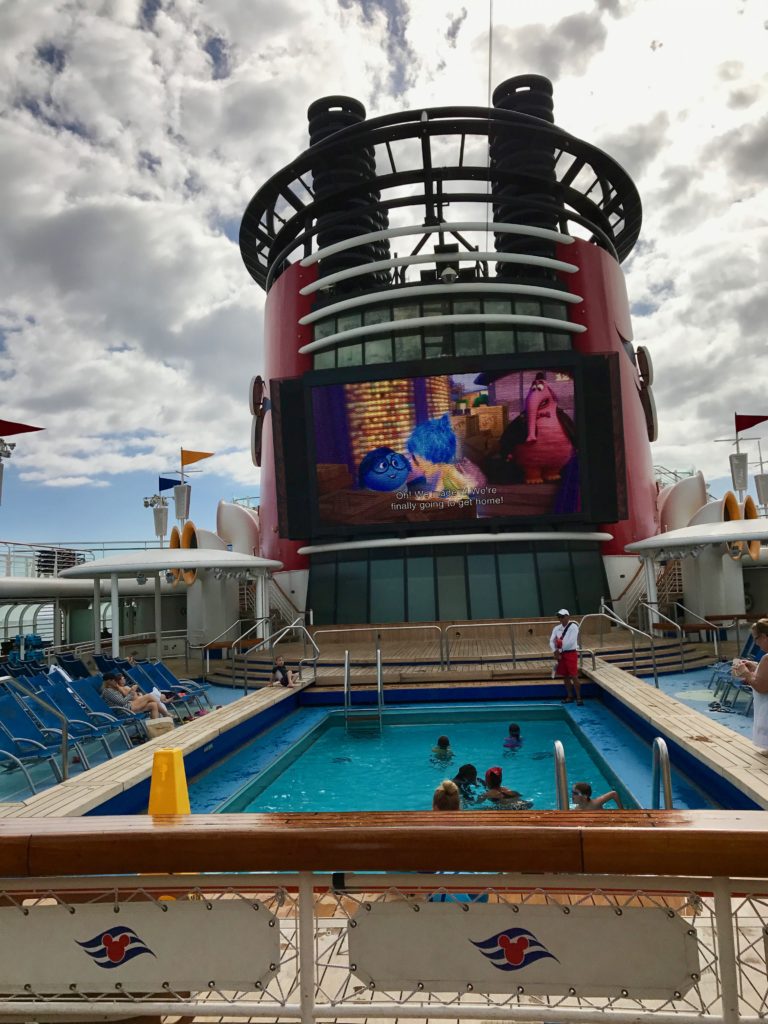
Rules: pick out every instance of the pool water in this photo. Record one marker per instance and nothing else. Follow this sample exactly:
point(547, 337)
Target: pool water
point(333, 769)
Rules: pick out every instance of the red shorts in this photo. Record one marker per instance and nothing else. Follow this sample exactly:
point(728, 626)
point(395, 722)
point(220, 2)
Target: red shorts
point(568, 664)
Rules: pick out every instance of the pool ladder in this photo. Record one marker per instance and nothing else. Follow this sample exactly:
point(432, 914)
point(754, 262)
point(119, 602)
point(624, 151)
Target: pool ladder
point(363, 715)
point(661, 777)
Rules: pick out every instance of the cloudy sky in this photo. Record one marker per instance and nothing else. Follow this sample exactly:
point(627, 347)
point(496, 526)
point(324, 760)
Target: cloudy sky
point(134, 132)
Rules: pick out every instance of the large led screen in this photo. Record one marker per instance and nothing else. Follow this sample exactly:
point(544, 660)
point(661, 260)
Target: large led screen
point(439, 448)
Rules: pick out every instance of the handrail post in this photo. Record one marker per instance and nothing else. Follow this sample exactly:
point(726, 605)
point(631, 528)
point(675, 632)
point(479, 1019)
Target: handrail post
point(347, 692)
point(561, 778)
point(661, 775)
point(379, 684)
point(514, 648)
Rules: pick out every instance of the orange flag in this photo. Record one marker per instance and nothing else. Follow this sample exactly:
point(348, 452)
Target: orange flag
point(187, 457)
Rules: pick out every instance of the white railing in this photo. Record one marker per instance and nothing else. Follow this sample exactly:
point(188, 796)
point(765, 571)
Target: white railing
point(307, 947)
point(22, 558)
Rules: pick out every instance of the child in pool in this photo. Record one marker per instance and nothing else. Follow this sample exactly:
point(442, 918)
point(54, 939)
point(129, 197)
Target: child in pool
point(514, 740)
point(500, 796)
point(442, 750)
point(468, 783)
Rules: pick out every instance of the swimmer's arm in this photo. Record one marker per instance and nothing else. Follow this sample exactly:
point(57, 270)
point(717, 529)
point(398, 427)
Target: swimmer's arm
point(601, 801)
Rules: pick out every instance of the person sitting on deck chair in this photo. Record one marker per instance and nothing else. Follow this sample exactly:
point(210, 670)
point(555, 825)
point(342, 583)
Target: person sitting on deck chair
point(117, 694)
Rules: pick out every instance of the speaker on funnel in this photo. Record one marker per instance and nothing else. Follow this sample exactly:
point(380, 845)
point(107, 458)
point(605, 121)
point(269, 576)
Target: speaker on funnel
point(189, 540)
point(749, 511)
point(175, 542)
point(721, 510)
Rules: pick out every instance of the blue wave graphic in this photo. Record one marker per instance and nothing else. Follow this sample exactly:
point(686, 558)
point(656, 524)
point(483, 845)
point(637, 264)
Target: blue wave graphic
point(513, 949)
point(114, 947)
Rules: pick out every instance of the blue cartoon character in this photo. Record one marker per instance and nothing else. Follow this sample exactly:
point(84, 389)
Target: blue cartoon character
point(433, 448)
point(383, 469)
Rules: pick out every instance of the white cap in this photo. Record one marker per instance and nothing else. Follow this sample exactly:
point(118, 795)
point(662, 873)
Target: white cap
point(563, 611)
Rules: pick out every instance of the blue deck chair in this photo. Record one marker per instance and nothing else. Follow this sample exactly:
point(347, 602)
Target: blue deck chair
point(147, 681)
point(26, 740)
point(73, 666)
point(78, 729)
point(84, 723)
point(189, 686)
point(89, 691)
point(721, 671)
point(729, 683)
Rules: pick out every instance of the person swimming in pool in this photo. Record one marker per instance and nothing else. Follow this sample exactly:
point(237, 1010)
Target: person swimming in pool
point(468, 783)
point(581, 794)
point(442, 752)
point(514, 740)
point(501, 796)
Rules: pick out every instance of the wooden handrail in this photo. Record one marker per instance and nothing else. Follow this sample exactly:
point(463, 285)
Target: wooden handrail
point(692, 843)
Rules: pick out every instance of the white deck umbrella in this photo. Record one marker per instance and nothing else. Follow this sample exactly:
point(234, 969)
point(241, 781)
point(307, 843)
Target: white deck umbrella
point(156, 562)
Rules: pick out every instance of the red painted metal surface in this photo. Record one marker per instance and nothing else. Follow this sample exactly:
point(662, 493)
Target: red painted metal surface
point(604, 311)
point(283, 337)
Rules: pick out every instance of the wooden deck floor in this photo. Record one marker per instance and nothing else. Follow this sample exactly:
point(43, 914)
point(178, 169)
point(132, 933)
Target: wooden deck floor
point(732, 756)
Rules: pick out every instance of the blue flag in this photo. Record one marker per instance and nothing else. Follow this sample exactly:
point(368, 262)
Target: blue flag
point(165, 484)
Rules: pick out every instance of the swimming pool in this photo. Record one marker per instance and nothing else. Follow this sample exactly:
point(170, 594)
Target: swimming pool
point(310, 762)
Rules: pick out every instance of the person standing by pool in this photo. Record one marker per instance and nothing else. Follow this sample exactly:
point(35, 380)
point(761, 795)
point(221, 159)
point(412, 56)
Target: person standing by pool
point(564, 644)
point(755, 674)
point(581, 794)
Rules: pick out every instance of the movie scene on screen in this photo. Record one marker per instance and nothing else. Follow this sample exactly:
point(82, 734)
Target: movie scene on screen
point(454, 446)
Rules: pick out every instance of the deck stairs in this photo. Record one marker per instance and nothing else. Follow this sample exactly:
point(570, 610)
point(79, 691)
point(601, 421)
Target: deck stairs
point(669, 589)
point(470, 658)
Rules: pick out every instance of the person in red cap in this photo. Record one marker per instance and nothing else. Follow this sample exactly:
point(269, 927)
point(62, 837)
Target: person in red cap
point(564, 644)
point(494, 791)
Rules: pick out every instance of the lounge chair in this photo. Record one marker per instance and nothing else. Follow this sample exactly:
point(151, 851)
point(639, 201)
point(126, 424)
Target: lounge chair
point(27, 741)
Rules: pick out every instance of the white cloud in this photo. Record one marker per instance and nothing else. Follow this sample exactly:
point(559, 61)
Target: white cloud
point(128, 154)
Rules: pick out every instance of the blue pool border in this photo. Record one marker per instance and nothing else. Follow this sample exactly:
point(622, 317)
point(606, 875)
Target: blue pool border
point(135, 799)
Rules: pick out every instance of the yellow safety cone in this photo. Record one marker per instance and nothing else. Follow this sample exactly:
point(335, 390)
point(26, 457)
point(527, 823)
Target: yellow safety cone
point(168, 793)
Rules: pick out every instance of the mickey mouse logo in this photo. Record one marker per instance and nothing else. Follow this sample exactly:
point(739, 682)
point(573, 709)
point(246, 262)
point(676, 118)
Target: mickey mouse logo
point(512, 949)
point(115, 947)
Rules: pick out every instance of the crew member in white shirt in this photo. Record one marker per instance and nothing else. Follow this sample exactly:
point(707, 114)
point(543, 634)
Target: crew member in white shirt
point(564, 644)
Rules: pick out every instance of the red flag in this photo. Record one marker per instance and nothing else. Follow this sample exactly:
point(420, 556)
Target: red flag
point(745, 422)
point(7, 428)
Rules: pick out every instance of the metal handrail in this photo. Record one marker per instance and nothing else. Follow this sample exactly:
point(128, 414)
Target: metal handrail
point(379, 686)
point(655, 611)
point(596, 615)
point(481, 625)
point(378, 630)
point(611, 615)
point(88, 646)
point(561, 778)
point(54, 711)
point(347, 689)
point(661, 774)
point(706, 622)
point(590, 652)
point(205, 661)
point(273, 640)
point(511, 623)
